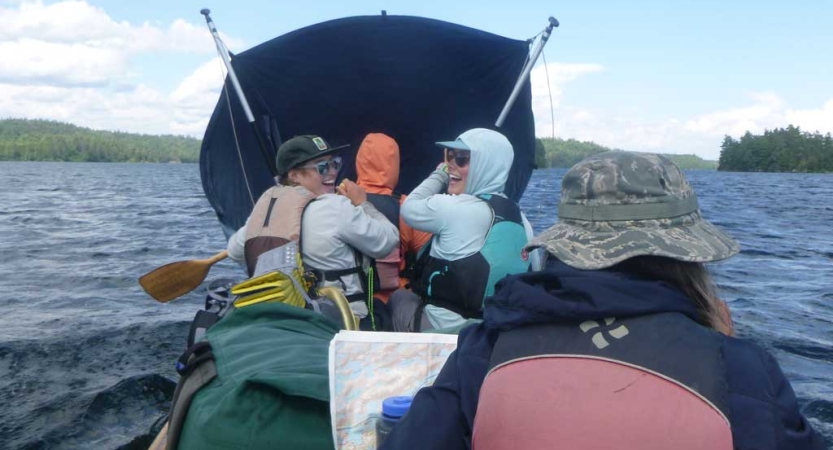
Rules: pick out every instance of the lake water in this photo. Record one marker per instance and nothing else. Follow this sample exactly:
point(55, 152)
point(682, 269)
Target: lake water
point(87, 358)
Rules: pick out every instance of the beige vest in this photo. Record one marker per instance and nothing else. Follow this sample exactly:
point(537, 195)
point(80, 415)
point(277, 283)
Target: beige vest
point(275, 220)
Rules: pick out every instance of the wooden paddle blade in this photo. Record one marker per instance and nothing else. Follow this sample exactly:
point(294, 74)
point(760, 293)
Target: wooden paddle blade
point(176, 279)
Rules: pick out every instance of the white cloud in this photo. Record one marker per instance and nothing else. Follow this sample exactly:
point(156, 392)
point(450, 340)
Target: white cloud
point(79, 22)
point(559, 75)
point(813, 119)
point(139, 109)
point(73, 43)
point(30, 61)
point(70, 61)
point(205, 80)
point(195, 97)
point(700, 135)
point(765, 112)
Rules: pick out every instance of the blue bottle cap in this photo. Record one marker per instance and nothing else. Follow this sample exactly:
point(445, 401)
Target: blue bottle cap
point(396, 406)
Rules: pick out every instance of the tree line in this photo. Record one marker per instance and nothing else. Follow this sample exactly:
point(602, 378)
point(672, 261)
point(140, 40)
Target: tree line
point(555, 152)
point(46, 140)
point(779, 150)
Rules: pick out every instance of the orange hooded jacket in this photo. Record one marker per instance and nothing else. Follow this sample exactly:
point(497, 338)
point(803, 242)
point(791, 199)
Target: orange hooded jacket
point(377, 168)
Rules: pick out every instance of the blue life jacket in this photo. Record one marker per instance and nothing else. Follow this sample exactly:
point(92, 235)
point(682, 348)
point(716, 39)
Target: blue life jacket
point(462, 284)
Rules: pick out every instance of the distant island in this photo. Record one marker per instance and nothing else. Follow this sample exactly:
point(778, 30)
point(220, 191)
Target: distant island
point(779, 150)
point(555, 152)
point(46, 140)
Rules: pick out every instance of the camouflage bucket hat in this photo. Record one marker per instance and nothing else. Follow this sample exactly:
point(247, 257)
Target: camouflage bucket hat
point(618, 205)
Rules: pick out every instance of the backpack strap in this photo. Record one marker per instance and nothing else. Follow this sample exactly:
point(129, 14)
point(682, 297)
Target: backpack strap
point(196, 368)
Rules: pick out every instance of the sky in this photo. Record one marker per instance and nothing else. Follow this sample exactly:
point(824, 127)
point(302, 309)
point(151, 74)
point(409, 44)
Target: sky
point(657, 76)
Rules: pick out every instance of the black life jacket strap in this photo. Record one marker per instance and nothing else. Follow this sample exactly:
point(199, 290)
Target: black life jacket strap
point(410, 268)
point(335, 275)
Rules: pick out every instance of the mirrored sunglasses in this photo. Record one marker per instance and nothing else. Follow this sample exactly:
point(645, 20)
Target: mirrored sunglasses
point(324, 166)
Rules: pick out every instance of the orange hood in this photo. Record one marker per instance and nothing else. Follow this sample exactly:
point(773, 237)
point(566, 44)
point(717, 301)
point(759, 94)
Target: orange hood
point(377, 164)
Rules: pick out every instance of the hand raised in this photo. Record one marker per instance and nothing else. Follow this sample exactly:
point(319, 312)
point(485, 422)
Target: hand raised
point(353, 191)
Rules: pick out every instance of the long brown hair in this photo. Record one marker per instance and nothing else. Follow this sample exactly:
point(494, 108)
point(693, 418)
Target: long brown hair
point(693, 279)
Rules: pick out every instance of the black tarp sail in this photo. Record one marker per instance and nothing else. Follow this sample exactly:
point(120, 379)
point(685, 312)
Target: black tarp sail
point(417, 80)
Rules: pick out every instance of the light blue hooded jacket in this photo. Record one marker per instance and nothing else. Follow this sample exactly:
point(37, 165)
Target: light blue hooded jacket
point(460, 223)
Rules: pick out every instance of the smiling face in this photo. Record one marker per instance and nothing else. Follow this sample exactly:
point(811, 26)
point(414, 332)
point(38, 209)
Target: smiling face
point(308, 176)
point(458, 170)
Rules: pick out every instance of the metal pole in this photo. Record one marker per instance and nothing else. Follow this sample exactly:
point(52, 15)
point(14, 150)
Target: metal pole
point(224, 55)
point(536, 52)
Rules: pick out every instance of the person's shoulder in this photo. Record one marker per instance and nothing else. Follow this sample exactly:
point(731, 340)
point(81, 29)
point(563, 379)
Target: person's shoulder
point(267, 194)
point(752, 370)
point(746, 351)
point(329, 205)
point(332, 200)
point(457, 200)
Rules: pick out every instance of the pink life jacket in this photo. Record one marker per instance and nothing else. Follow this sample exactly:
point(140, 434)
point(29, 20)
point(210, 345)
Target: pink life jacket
point(650, 382)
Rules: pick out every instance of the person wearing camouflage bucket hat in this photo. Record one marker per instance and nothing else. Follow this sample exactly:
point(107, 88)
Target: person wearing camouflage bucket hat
point(618, 205)
point(620, 340)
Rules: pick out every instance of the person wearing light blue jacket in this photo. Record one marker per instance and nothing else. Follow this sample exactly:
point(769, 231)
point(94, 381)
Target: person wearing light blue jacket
point(479, 234)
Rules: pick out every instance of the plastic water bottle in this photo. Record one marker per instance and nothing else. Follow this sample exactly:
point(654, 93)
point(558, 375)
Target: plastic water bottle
point(393, 408)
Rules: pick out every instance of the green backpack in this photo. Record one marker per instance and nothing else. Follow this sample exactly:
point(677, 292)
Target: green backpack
point(259, 380)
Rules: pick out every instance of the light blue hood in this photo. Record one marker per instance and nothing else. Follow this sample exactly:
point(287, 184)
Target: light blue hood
point(491, 159)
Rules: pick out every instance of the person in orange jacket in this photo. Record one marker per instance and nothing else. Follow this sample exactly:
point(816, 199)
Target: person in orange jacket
point(377, 168)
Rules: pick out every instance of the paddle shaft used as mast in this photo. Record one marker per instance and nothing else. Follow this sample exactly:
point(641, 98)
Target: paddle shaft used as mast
point(224, 55)
point(536, 52)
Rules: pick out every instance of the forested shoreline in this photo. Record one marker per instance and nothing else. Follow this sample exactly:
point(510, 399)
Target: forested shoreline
point(779, 150)
point(555, 152)
point(46, 140)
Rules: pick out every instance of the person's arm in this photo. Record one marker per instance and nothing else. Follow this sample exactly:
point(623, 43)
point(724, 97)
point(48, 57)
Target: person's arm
point(361, 225)
point(425, 210)
point(236, 244)
point(535, 256)
point(763, 409)
point(795, 432)
point(435, 419)
point(366, 229)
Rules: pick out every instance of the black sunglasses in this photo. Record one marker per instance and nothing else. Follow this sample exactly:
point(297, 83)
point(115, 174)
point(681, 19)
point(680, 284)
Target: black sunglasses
point(461, 158)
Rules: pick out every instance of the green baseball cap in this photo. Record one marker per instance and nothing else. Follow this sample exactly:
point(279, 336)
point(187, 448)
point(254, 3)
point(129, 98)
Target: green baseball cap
point(618, 205)
point(301, 149)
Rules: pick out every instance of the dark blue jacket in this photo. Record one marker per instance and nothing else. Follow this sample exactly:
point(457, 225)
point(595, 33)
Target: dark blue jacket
point(762, 406)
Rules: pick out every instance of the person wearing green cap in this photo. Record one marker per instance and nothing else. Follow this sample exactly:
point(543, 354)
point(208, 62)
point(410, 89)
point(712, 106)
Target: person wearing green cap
point(479, 234)
point(621, 341)
point(337, 234)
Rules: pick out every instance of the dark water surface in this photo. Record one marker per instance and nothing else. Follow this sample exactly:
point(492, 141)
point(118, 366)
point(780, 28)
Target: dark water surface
point(87, 358)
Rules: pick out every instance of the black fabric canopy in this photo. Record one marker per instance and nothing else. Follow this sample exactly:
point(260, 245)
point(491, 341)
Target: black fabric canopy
point(417, 80)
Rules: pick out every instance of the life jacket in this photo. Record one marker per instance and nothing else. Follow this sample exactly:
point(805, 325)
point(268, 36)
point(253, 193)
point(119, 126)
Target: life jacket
point(462, 284)
point(285, 204)
point(388, 267)
point(649, 382)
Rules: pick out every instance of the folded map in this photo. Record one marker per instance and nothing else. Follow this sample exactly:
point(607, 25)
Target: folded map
point(367, 367)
